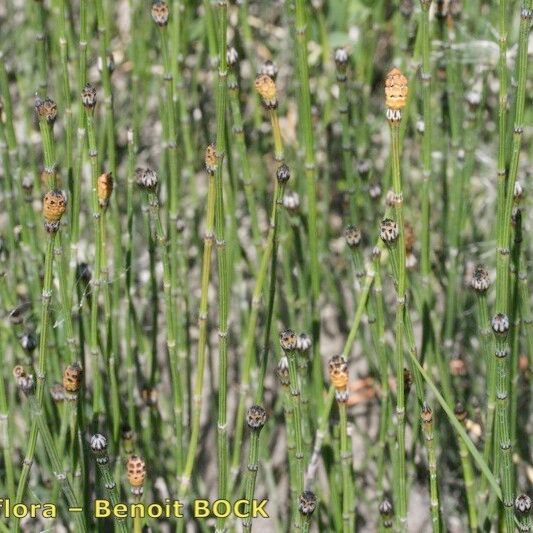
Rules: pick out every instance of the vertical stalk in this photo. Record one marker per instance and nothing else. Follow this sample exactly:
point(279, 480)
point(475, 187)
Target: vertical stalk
point(500, 326)
point(41, 373)
point(428, 428)
point(67, 99)
point(80, 145)
point(40, 40)
point(160, 15)
point(6, 429)
point(89, 101)
point(256, 418)
point(171, 327)
point(396, 92)
point(223, 290)
point(341, 60)
point(348, 503)
point(270, 102)
point(202, 325)
point(310, 175)
point(238, 132)
point(425, 261)
point(99, 448)
point(288, 343)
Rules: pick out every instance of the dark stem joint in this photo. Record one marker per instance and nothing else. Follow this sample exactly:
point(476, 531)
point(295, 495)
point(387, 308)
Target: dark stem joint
point(500, 354)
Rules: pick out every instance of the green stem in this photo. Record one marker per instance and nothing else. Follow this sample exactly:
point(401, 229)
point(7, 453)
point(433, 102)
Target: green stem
point(202, 340)
point(428, 427)
point(253, 466)
point(98, 399)
point(223, 291)
point(401, 280)
point(502, 351)
point(310, 180)
point(296, 407)
point(40, 373)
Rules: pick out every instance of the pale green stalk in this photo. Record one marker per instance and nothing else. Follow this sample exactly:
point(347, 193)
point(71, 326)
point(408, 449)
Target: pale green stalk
point(245, 171)
point(6, 431)
point(253, 466)
point(311, 177)
point(96, 281)
point(385, 400)
point(67, 98)
point(250, 336)
point(428, 427)
point(40, 43)
point(425, 261)
point(223, 278)
point(502, 351)
point(348, 503)
point(288, 411)
point(111, 353)
point(503, 236)
point(111, 490)
point(113, 331)
point(468, 476)
point(353, 188)
point(40, 374)
point(171, 151)
point(296, 406)
point(130, 357)
point(401, 292)
point(483, 322)
point(80, 146)
point(359, 312)
point(179, 26)
point(202, 342)
point(171, 326)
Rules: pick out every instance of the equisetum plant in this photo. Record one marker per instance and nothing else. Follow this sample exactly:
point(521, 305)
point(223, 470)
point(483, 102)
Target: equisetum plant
point(188, 187)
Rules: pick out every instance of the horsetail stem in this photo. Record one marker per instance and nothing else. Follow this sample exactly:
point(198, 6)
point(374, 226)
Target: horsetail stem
point(256, 419)
point(500, 327)
point(300, 30)
point(266, 88)
point(393, 233)
point(238, 132)
point(88, 97)
point(428, 428)
point(468, 474)
point(288, 342)
point(210, 164)
point(147, 180)
point(480, 283)
point(98, 446)
point(161, 14)
point(222, 257)
point(341, 62)
point(338, 375)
